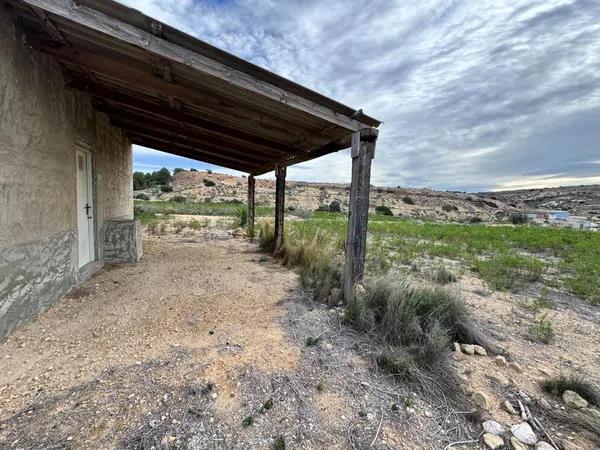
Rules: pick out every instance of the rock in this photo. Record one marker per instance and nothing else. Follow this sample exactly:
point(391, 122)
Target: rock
point(492, 441)
point(516, 445)
point(360, 289)
point(458, 356)
point(524, 433)
point(468, 349)
point(481, 400)
point(456, 347)
point(500, 360)
point(573, 400)
point(567, 445)
point(543, 446)
point(516, 367)
point(510, 408)
point(545, 404)
point(500, 379)
point(493, 427)
point(480, 350)
point(545, 372)
point(592, 412)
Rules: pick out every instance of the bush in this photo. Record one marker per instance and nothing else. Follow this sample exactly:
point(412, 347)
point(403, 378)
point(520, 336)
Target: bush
point(323, 208)
point(518, 219)
point(475, 219)
point(208, 183)
point(266, 235)
point(242, 215)
point(408, 200)
point(179, 199)
point(443, 276)
point(208, 171)
point(543, 331)
point(141, 196)
point(177, 170)
point(335, 207)
point(576, 383)
point(193, 170)
point(166, 188)
point(449, 208)
point(383, 211)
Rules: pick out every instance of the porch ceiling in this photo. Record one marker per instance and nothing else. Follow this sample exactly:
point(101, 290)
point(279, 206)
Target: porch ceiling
point(172, 92)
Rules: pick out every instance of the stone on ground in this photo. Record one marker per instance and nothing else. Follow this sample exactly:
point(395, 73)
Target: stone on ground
point(492, 441)
point(524, 433)
point(468, 349)
point(573, 400)
point(543, 446)
point(500, 379)
point(480, 350)
point(457, 347)
point(481, 400)
point(500, 360)
point(510, 408)
point(516, 444)
point(516, 367)
point(493, 427)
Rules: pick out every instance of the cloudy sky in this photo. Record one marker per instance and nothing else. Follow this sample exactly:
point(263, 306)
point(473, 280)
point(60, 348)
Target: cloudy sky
point(475, 94)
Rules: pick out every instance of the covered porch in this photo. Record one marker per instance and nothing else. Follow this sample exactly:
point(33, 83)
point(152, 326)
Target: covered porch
point(171, 92)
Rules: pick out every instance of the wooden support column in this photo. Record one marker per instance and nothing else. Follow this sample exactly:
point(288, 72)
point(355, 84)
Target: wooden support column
point(363, 151)
point(280, 173)
point(250, 220)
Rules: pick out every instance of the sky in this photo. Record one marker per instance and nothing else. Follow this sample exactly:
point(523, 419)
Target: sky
point(474, 94)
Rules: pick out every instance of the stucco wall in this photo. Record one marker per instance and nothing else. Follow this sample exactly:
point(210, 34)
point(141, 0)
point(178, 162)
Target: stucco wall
point(41, 126)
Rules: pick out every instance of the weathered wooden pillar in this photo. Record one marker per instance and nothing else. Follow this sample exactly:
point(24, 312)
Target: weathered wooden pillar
point(280, 173)
point(363, 151)
point(250, 219)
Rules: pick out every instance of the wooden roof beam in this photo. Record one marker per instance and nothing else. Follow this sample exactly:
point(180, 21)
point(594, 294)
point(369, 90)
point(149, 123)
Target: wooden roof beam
point(123, 32)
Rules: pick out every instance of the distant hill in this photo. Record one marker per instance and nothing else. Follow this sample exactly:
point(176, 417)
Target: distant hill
point(417, 203)
point(578, 200)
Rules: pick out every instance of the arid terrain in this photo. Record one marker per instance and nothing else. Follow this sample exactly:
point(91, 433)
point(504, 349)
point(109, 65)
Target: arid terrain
point(209, 342)
point(417, 203)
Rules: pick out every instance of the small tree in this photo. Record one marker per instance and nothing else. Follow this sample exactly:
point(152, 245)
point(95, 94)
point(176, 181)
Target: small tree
point(408, 200)
point(335, 206)
point(208, 183)
point(166, 188)
point(518, 219)
point(139, 181)
point(177, 170)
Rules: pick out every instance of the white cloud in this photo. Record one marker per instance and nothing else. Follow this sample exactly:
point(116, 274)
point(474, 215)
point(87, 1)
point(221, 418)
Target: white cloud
point(464, 88)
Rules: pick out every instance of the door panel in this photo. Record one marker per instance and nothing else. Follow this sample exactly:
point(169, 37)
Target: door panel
point(85, 208)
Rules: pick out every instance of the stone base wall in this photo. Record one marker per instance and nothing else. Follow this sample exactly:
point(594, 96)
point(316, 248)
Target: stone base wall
point(33, 275)
point(121, 241)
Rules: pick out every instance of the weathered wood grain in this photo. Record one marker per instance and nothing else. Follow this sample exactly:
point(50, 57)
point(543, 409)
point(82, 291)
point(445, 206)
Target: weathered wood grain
point(280, 173)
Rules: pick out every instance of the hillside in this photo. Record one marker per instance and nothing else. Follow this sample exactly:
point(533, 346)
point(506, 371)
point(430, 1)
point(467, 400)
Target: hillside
point(424, 203)
point(578, 200)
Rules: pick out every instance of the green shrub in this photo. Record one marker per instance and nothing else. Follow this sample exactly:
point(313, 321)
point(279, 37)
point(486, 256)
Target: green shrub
point(449, 208)
point(576, 383)
point(383, 211)
point(509, 270)
point(408, 200)
point(543, 330)
point(141, 196)
point(443, 276)
point(242, 216)
point(475, 219)
point(335, 207)
point(179, 199)
point(266, 235)
point(518, 219)
point(166, 188)
point(208, 183)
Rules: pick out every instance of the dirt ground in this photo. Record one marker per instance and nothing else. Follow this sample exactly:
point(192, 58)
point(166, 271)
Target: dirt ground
point(202, 344)
point(199, 345)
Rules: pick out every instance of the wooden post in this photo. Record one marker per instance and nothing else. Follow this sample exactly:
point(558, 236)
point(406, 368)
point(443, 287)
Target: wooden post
point(363, 151)
point(250, 219)
point(280, 173)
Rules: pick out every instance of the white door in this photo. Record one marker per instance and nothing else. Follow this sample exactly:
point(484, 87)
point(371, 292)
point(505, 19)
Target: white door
point(85, 208)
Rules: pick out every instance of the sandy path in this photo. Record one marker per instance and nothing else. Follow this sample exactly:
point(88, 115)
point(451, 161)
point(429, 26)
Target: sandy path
point(212, 300)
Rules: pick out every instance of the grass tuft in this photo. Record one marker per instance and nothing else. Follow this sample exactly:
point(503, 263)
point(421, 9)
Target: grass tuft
point(576, 383)
point(543, 330)
point(443, 276)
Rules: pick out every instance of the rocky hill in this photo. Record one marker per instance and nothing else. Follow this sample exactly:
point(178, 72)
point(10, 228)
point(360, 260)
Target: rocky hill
point(578, 200)
point(424, 203)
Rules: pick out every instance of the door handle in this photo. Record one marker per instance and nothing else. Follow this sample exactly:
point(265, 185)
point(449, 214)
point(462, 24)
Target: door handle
point(87, 208)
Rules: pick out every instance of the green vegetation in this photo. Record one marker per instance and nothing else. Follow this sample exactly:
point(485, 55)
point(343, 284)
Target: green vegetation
point(383, 210)
point(543, 330)
point(506, 257)
point(576, 383)
point(443, 276)
point(242, 215)
point(408, 200)
point(313, 341)
point(143, 180)
point(196, 208)
point(208, 183)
